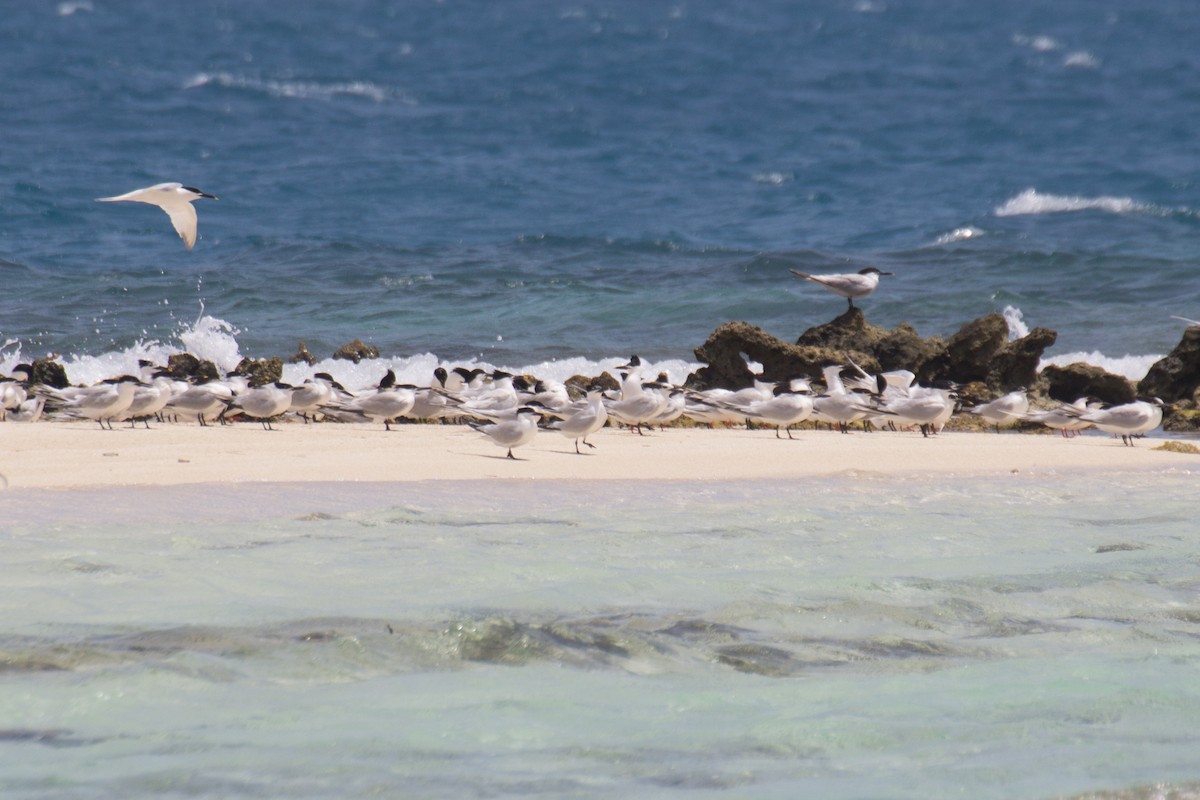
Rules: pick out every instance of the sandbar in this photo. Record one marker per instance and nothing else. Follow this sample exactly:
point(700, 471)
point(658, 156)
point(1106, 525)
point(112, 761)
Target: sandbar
point(80, 454)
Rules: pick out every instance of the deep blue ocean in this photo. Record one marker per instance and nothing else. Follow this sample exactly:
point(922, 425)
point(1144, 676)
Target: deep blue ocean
point(527, 181)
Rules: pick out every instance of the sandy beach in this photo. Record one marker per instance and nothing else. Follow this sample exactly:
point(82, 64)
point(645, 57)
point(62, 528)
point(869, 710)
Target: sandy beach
point(64, 455)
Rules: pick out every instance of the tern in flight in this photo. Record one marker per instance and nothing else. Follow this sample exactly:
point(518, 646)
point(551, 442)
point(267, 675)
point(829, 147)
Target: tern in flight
point(173, 198)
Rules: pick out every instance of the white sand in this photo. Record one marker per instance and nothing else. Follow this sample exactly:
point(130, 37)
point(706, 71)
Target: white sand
point(61, 454)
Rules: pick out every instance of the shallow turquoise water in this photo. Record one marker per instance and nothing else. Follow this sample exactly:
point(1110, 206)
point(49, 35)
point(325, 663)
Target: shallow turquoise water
point(869, 637)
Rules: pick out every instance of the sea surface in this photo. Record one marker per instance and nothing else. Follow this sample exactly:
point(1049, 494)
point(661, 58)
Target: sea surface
point(525, 182)
point(869, 637)
point(551, 187)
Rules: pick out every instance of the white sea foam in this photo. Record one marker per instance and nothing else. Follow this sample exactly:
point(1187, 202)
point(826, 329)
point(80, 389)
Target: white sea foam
point(1081, 59)
point(1039, 43)
point(773, 178)
point(1132, 367)
point(70, 9)
point(1031, 201)
point(302, 90)
point(213, 339)
point(1017, 329)
point(10, 355)
point(86, 370)
point(959, 235)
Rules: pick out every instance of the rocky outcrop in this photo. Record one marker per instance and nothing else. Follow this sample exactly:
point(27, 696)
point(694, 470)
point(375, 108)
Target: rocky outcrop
point(578, 385)
point(727, 348)
point(1015, 364)
point(49, 373)
point(1176, 376)
point(1067, 384)
point(967, 354)
point(1175, 379)
point(852, 335)
point(260, 372)
point(185, 366)
point(356, 351)
point(980, 352)
point(302, 355)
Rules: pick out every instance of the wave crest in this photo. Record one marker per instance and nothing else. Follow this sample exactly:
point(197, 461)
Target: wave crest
point(1132, 367)
point(301, 90)
point(959, 235)
point(1031, 201)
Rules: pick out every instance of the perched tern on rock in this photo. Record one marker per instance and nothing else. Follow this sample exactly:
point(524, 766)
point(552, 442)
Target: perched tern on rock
point(173, 198)
point(849, 286)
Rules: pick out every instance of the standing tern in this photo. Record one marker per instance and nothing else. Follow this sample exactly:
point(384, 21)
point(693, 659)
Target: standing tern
point(785, 409)
point(102, 402)
point(204, 400)
point(148, 400)
point(315, 392)
point(580, 422)
point(1065, 419)
point(849, 286)
point(1128, 420)
point(925, 408)
point(265, 402)
point(1005, 410)
point(173, 198)
point(389, 401)
point(519, 429)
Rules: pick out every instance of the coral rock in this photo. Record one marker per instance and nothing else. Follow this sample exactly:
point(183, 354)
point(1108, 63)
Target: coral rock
point(356, 351)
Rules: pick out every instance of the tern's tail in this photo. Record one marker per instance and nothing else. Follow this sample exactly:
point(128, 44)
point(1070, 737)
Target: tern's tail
point(800, 274)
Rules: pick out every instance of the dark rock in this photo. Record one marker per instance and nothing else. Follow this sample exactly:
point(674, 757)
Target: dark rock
point(260, 371)
point(979, 352)
point(1015, 364)
point(356, 351)
point(1067, 384)
point(578, 385)
point(185, 366)
point(851, 335)
point(903, 348)
point(49, 373)
point(727, 348)
point(302, 354)
point(968, 354)
point(1182, 416)
point(849, 331)
point(1177, 376)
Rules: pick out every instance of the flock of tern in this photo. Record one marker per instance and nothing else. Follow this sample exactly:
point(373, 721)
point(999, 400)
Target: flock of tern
point(511, 409)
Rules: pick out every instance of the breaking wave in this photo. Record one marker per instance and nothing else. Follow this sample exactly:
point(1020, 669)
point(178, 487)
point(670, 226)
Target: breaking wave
point(1031, 201)
point(301, 90)
point(212, 339)
point(1132, 367)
